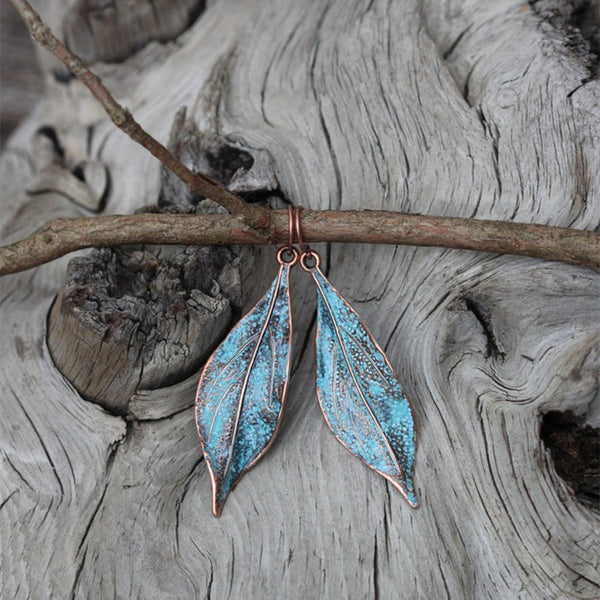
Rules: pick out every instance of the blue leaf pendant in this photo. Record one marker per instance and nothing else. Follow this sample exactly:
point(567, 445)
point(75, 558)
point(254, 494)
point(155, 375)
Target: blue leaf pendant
point(242, 389)
point(360, 396)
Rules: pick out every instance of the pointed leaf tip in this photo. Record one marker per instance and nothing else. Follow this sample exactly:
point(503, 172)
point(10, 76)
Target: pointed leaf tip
point(242, 389)
point(360, 396)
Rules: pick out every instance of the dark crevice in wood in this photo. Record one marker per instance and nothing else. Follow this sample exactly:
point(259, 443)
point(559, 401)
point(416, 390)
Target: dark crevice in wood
point(62, 77)
point(225, 160)
point(78, 172)
point(446, 55)
point(578, 24)
point(264, 196)
point(586, 18)
point(375, 568)
point(49, 132)
point(484, 316)
point(575, 450)
point(107, 472)
point(134, 418)
point(83, 181)
point(208, 153)
point(491, 131)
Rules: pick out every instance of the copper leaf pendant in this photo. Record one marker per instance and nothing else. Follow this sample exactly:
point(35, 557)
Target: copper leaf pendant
point(242, 390)
point(360, 396)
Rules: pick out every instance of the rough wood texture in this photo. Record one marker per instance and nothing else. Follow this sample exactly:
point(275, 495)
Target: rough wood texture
point(458, 108)
point(145, 317)
point(113, 30)
point(139, 319)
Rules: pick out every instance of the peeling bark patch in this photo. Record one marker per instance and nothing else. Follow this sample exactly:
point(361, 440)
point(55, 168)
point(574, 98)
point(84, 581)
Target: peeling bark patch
point(140, 318)
point(113, 30)
point(575, 449)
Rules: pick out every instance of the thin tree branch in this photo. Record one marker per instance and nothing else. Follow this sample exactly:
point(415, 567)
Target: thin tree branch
point(375, 227)
point(252, 224)
point(122, 118)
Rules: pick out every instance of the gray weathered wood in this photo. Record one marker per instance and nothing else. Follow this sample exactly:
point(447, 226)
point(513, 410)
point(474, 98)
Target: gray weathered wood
point(455, 108)
point(20, 81)
point(112, 30)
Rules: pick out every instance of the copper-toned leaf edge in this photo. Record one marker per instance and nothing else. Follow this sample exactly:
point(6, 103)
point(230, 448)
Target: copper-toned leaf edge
point(217, 507)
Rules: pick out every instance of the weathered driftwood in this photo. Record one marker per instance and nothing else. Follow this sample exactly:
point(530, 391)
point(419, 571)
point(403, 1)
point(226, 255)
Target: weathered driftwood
point(466, 109)
point(19, 72)
point(141, 318)
point(112, 31)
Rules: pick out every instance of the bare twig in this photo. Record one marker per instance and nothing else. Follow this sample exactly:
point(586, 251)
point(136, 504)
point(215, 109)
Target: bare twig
point(252, 224)
point(198, 182)
point(376, 227)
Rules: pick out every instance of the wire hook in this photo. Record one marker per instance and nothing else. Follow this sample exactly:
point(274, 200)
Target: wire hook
point(305, 249)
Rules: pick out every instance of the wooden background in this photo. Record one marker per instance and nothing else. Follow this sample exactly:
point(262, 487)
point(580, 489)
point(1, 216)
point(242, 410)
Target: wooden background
point(446, 107)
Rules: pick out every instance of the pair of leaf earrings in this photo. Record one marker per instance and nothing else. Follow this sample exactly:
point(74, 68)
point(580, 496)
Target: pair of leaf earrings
point(243, 386)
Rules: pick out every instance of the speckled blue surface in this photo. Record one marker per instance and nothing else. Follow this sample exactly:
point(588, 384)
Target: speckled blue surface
point(242, 388)
point(360, 396)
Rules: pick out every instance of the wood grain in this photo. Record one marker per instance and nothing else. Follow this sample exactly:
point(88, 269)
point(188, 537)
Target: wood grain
point(461, 109)
point(111, 31)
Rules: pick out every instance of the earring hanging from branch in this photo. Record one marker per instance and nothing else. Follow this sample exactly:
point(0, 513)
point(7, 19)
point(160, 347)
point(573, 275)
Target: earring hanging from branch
point(242, 388)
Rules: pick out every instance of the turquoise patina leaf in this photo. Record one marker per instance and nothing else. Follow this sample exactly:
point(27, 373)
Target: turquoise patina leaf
point(360, 396)
point(242, 388)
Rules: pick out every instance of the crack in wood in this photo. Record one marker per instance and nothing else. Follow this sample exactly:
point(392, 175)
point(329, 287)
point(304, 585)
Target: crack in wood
point(483, 315)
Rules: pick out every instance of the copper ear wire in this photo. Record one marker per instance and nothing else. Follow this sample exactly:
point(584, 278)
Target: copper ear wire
point(305, 249)
point(290, 227)
point(307, 253)
point(289, 250)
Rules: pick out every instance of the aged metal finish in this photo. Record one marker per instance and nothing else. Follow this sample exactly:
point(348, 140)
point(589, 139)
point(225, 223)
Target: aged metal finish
point(242, 388)
point(360, 396)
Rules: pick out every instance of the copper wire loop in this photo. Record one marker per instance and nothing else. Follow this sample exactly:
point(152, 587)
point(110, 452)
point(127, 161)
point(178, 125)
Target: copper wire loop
point(308, 255)
point(298, 229)
point(290, 227)
point(289, 252)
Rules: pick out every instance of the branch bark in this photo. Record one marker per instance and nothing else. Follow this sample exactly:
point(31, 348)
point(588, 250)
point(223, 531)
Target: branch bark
point(122, 118)
point(373, 227)
point(262, 226)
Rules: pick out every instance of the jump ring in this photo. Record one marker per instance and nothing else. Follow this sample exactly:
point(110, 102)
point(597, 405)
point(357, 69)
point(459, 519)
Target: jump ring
point(289, 252)
point(308, 255)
